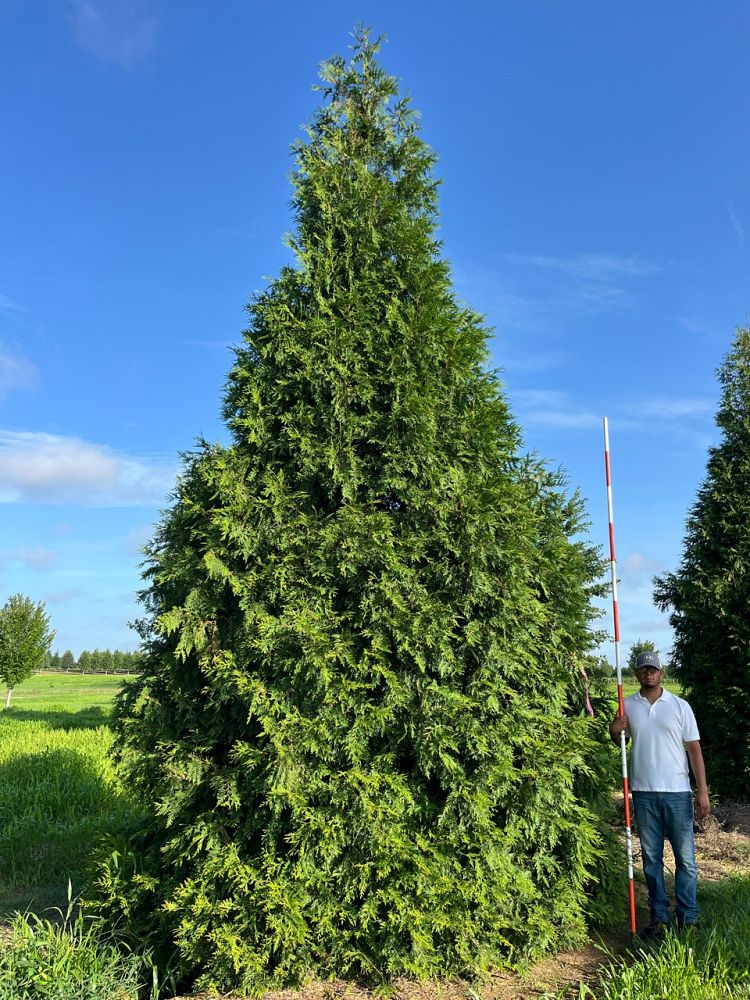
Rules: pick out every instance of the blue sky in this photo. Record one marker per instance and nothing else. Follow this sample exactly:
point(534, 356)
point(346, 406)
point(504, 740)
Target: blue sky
point(594, 202)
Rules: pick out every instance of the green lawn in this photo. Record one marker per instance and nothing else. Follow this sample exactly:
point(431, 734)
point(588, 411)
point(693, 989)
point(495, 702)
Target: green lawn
point(58, 790)
point(68, 694)
point(630, 686)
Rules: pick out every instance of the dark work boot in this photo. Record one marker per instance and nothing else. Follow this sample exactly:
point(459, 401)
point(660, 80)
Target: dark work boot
point(655, 930)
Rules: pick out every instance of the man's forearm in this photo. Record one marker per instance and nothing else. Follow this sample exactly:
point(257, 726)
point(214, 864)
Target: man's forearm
point(699, 768)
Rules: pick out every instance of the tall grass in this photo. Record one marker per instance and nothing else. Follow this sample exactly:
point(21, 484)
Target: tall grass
point(66, 959)
point(710, 964)
point(58, 795)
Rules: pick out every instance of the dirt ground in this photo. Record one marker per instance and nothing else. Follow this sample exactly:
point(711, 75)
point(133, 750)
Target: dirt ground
point(722, 848)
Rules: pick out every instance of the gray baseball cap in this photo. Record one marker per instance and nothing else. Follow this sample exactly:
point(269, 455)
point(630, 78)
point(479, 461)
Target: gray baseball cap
point(647, 659)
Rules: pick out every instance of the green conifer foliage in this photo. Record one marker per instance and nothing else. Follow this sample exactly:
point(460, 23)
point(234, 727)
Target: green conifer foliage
point(359, 718)
point(709, 595)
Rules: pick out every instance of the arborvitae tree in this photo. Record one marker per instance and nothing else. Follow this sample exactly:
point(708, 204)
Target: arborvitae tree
point(709, 595)
point(360, 719)
point(84, 662)
point(67, 660)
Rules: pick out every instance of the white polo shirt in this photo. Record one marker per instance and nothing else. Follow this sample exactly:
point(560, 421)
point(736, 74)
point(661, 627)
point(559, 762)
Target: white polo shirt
point(659, 733)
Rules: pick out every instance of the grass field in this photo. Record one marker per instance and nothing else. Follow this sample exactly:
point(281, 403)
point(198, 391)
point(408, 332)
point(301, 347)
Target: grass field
point(630, 685)
point(72, 701)
point(58, 791)
point(59, 794)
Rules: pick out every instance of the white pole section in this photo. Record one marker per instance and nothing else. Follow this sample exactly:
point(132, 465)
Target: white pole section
point(618, 668)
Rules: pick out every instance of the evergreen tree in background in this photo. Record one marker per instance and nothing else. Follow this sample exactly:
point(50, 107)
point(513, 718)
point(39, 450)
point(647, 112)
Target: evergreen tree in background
point(360, 719)
point(709, 595)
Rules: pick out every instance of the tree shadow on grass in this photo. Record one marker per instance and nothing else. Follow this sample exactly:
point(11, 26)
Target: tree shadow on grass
point(84, 718)
point(56, 805)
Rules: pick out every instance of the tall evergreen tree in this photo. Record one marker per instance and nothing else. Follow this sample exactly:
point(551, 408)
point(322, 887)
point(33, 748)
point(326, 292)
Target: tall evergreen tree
point(709, 595)
point(359, 716)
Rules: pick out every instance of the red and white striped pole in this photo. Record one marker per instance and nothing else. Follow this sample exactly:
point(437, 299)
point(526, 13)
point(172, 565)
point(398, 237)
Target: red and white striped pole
point(618, 668)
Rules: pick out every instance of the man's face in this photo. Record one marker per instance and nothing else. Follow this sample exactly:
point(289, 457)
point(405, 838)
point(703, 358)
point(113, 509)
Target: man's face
point(649, 677)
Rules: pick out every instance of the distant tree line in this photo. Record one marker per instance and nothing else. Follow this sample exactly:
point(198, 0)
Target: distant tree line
point(97, 661)
point(600, 668)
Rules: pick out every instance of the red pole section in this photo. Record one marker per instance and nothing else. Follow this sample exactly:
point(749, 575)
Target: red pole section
point(618, 668)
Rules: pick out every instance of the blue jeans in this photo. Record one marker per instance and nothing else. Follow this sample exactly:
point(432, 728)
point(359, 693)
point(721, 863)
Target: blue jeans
point(670, 815)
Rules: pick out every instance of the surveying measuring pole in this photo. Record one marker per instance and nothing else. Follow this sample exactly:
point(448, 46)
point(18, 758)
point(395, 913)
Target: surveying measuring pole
point(620, 703)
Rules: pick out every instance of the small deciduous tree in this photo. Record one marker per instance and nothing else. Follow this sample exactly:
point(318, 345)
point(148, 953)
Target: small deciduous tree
point(708, 596)
point(25, 637)
point(639, 646)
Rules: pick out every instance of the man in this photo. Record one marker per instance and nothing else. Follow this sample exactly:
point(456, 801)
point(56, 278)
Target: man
point(663, 728)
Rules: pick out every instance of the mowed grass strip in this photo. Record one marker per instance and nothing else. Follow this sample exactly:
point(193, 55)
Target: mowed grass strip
point(58, 789)
point(630, 685)
point(66, 700)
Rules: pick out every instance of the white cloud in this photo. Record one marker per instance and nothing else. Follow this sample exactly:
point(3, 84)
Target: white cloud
point(8, 305)
point(36, 558)
point(675, 409)
point(590, 282)
point(60, 597)
point(16, 372)
point(116, 31)
point(646, 626)
point(487, 292)
point(694, 324)
point(636, 562)
point(591, 266)
point(134, 541)
point(52, 469)
point(638, 569)
point(550, 408)
point(737, 226)
point(210, 345)
point(554, 409)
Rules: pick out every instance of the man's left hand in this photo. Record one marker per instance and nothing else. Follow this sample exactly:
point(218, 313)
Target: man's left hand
point(702, 806)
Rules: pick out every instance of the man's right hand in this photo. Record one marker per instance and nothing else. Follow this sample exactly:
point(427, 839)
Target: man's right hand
point(618, 725)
